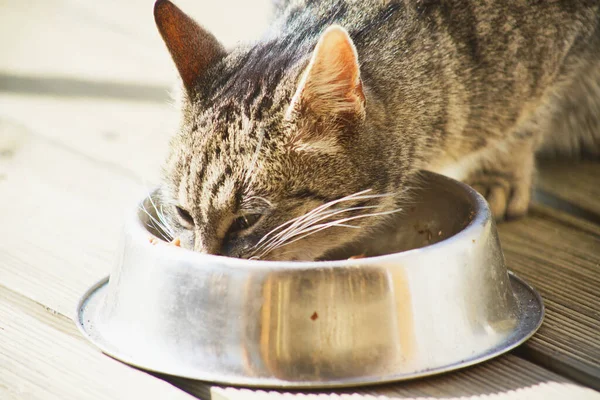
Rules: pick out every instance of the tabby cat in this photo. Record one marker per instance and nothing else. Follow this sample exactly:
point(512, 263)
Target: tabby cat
point(288, 145)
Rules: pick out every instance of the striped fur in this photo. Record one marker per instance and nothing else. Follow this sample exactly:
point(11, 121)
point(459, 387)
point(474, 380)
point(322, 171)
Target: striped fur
point(463, 87)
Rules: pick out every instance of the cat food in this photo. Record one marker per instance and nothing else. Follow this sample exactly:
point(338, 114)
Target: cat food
point(175, 242)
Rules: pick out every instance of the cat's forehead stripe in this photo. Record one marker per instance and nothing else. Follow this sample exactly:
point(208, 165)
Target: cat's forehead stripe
point(214, 172)
point(214, 188)
point(225, 141)
point(225, 194)
point(213, 185)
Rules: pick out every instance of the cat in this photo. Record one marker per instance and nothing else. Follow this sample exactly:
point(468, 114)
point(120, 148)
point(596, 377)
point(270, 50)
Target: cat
point(286, 146)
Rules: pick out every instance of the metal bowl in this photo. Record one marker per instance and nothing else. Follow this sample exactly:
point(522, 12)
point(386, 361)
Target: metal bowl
point(440, 298)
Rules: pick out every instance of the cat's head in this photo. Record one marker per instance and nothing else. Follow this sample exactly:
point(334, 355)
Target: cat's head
point(268, 161)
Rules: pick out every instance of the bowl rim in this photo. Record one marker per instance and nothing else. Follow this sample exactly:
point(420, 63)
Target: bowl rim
point(482, 214)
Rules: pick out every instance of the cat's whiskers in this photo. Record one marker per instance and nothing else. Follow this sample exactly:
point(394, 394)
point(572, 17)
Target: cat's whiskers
point(308, 222)
point(165, 223)
point(317, 218)
point(298, 220)
point(301, 223)
point(318, 228)
point(162, 229)
point(160, 222)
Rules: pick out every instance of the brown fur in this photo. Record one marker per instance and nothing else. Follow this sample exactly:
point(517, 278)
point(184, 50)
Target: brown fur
point(467, 88)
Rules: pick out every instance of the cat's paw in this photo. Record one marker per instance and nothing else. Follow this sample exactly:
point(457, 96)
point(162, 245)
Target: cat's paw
point(508, 199)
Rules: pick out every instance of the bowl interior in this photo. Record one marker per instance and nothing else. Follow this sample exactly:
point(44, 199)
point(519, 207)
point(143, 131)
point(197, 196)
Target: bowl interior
point(437, 209)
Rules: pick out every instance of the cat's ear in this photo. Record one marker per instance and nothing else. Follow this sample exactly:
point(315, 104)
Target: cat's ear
point(192, 48)
point(331, 84)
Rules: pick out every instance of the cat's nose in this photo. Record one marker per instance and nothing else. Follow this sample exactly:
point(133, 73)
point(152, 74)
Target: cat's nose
point(207, 244)
point(235, 248)
point(231, 250)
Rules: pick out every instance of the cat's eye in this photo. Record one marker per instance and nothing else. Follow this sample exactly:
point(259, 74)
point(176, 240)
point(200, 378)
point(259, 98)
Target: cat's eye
point(244, 222)
point(185, 215)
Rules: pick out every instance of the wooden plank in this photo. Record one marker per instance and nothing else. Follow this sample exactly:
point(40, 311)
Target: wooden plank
point(59, 236)
point(130, 138)
point(62, 219)
point(42, 356)
point(79, 43)
point(67, 177)
point(113, 41)
point(543, 391)
point(231, 21)
point(575, 183)
point(507, 377)
point(560, 256)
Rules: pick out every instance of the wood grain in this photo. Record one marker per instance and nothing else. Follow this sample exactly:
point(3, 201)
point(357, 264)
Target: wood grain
point(43, 356)
point(128, 138)
point(62, 214)
point(507, 377)
point(577, 183)
point(545, 391)
point(112, 41)
point(560, 256)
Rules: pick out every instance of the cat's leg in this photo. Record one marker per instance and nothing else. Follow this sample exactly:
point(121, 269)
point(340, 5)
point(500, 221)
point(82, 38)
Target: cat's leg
point(567, 123)
point(504, 177)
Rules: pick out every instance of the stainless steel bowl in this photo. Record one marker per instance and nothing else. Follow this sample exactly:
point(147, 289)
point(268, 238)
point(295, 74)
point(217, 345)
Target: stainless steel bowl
point(440, 299)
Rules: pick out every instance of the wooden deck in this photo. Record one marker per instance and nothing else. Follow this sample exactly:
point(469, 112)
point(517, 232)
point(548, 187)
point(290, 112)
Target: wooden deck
point(84, 122)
